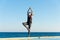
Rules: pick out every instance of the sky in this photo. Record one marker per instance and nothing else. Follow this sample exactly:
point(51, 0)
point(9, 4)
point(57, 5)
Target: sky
point(46, 15)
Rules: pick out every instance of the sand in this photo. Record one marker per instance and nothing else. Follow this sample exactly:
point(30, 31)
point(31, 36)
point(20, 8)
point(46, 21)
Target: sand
point(12, 39)
point(28, 38)
point(24, 38)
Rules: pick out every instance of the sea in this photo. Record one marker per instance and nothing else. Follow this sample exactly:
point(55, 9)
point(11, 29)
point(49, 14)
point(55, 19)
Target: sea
point(33, 35)
point(25, 34)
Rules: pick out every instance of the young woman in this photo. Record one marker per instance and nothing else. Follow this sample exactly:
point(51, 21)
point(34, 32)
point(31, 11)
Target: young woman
point(29, 20)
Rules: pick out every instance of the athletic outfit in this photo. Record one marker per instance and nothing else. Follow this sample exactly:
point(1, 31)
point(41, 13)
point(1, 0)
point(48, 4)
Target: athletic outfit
point(29, 20)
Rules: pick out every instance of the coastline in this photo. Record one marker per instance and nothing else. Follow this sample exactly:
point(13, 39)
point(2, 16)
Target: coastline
point(28, 38)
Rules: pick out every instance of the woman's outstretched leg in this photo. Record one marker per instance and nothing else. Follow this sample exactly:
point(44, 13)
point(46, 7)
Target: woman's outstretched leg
point(25, 25)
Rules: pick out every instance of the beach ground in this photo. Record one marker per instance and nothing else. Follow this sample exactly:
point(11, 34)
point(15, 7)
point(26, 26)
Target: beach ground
point(29, 38)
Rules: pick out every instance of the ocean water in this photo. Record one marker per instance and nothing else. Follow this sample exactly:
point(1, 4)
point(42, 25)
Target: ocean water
point(25, 34)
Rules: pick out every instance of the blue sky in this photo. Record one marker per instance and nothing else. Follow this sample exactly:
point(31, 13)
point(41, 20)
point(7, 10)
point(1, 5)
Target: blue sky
point(46, 15)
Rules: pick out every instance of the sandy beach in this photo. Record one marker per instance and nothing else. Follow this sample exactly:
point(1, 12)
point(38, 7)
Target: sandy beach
point(29, 38)
point(23, 38)
point(12, 39)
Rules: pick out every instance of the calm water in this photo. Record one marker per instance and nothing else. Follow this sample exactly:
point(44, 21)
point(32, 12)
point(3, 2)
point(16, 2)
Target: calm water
point(24, 34)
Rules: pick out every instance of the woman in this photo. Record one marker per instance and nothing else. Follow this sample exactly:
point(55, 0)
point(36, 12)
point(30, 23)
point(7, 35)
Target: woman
point(29, 20)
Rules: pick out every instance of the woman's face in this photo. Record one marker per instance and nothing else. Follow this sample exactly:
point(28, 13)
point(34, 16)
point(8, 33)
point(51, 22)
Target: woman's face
point(29, 13)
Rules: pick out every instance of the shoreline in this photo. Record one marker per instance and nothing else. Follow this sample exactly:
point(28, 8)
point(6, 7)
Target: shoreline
point(28, 38)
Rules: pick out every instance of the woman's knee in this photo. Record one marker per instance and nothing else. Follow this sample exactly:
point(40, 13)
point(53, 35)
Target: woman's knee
point(23, 23)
